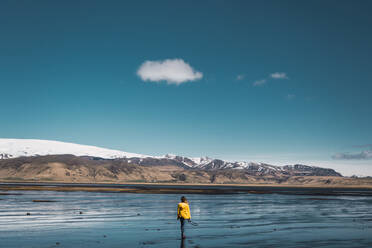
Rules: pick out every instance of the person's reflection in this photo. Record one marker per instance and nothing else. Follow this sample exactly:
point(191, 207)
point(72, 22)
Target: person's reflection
point(183, 243)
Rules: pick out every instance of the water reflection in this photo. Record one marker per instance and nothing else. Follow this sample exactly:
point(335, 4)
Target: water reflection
point(146, 220)
point(183, 243)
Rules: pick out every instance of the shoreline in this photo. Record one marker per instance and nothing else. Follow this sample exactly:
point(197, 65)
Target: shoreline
point(173, 188)
point(329, 186)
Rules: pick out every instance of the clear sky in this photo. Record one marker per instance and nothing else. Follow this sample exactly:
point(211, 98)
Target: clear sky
point(269, 81)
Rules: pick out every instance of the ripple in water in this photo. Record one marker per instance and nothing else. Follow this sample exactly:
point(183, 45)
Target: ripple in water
point(88, 219)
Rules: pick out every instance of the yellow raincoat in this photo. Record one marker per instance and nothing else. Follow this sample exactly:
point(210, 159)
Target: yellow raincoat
point(183, 211)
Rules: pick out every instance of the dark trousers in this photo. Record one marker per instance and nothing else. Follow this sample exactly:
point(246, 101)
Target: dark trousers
point(182, 220)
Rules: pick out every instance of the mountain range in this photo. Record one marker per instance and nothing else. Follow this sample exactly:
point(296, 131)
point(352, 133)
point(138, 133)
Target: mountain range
point(44, 160)
point(13, 148)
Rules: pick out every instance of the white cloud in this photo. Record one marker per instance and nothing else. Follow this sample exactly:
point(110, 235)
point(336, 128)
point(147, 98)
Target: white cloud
point(279, 75)
point(259, 82)
point(367, 154)
point(240, 77)
point(173, 71)
point(275, 75)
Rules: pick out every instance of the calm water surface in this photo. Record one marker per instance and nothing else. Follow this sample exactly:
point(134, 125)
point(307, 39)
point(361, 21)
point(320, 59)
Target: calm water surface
point(149, 220)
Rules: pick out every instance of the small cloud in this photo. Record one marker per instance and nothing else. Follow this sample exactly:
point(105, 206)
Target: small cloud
point(276, 75)
point(363, 155)
point(259, 82)
point(364, 146)
point(240, 77)
point(173, 71)
point(279, 75)
point(291, 96)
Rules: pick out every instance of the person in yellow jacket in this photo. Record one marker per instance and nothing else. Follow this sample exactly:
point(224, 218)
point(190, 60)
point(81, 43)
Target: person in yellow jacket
point(183, 213)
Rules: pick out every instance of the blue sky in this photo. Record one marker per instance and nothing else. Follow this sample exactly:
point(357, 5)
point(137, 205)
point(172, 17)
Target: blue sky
point(271, 81)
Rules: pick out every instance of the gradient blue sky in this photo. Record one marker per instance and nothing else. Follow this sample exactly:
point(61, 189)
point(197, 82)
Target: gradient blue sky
point(68, 72)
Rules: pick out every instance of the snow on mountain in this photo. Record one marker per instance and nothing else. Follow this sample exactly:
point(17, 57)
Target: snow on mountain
point(190, 162)
point(218, 164)
point(12, 148)
point(202, 160)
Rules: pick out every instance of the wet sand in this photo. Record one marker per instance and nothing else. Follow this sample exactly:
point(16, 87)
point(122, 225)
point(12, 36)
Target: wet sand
point(116, 220)
point(147, 188)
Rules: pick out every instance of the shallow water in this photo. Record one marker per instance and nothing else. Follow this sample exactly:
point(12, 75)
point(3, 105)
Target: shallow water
point(149, 220)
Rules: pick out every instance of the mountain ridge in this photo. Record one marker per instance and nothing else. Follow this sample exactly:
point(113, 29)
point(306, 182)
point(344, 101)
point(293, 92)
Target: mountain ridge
point(14, 148)
point(85, 169)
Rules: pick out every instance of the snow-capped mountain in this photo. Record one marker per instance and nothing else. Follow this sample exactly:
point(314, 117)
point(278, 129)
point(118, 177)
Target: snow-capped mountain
point(12, 148)
point(217, 164)
point(190, 162)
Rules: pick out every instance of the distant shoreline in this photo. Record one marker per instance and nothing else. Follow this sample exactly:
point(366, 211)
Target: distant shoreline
point(169, 188)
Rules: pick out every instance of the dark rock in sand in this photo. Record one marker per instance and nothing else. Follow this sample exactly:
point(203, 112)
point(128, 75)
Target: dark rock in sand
point(43, 201)
point(28, 214)
point(80, 212)
point(57, 243)
point(149, 243)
